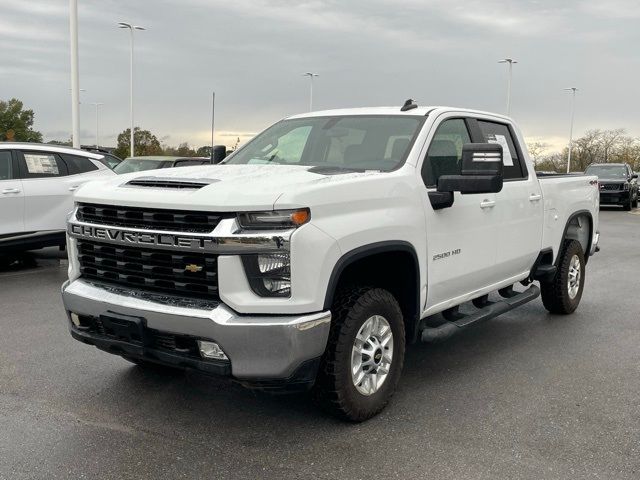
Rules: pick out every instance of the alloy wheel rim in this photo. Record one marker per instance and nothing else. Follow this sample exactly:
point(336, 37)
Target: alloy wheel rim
point(372, 355)
point(575, 272)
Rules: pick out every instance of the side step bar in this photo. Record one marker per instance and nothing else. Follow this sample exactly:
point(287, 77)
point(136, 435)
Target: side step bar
point(491, 310)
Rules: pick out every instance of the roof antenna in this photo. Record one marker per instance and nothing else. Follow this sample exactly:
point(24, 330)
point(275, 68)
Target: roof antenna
point(408, 105)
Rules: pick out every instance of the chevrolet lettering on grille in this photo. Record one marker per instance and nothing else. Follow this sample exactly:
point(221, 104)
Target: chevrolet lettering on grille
point(127, 237)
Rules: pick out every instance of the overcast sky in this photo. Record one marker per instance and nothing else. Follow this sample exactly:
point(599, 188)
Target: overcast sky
point(368, 53)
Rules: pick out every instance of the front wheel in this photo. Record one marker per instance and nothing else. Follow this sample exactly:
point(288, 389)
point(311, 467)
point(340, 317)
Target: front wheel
point(365, 354)
point(563, 293)
point(634, 204)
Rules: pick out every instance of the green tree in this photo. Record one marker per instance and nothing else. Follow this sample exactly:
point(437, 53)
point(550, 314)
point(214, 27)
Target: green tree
point(16, 123)
point(204, 151)
point(145, 143)
point(184, 150)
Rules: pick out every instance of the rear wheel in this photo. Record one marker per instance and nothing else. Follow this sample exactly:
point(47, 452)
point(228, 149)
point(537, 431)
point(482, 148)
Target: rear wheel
point(563, 293)
point(365, 354)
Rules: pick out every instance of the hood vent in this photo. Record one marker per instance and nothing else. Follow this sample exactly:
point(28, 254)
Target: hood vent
point(179, 183)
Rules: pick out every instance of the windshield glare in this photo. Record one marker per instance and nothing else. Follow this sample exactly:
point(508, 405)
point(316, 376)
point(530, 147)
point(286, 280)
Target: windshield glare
point(607, 171)
point(358, 142)
point(132, 165)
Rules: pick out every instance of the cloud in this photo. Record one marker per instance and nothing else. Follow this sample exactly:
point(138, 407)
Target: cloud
point(252, 53)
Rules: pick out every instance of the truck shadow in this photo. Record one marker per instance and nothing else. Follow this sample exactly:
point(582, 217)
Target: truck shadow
point(434, 374)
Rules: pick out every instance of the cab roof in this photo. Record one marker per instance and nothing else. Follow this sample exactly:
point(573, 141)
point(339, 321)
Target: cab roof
point(418, 111)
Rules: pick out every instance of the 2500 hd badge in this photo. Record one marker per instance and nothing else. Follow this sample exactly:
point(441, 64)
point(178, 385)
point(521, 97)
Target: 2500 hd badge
point(440, 256)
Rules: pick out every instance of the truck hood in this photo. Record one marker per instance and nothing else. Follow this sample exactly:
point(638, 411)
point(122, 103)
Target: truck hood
point(226, 187)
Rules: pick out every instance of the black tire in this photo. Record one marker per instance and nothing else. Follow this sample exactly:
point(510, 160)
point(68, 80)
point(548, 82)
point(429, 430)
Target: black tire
point(334, 389)
point(634, 204)
point(555, 293)
point(627, 205)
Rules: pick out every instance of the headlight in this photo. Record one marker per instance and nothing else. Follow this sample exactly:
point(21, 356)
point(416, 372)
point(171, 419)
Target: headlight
point(626, 186)
point(274, 219)
point(269, 275)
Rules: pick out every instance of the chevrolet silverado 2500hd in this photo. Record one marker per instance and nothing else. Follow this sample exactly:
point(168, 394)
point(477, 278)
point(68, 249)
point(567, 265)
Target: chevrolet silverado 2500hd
point(311, 256)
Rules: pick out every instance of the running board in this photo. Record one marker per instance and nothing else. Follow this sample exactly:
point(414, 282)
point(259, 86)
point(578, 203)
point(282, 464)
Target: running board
point(492, 310)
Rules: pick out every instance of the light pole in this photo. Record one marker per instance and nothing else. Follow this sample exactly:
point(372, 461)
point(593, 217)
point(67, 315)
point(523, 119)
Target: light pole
point(510, 61)
point(131, 28)
point(573, 109)
point(310, 75)
point(97, 104)
point(75, 77)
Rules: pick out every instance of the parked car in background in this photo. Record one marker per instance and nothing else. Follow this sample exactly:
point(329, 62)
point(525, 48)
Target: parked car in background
point(140, 164)
point(108, 158)
point(618, 184)
point(37, 182)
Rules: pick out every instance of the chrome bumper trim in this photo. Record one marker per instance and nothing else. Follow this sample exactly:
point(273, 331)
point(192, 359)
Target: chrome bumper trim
point(259, 346)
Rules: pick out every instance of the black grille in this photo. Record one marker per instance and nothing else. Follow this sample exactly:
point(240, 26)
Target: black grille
point(149, 218)
point(611, 186)
point(174, 273)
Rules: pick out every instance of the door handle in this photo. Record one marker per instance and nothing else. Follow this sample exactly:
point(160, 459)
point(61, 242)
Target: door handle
point(487, 204)
point(74, 188)
point(10, 190)
point(534, 197)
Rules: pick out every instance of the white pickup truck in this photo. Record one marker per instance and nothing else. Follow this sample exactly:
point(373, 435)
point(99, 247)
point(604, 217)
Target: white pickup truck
point(313, 255)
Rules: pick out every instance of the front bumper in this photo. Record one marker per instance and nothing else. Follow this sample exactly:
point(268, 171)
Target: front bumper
point(262, 349)
point(614, 197)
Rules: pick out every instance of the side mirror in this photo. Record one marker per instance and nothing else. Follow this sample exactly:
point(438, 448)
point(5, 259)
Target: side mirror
point(218, 153)
point(481, 170)
point(635, 175)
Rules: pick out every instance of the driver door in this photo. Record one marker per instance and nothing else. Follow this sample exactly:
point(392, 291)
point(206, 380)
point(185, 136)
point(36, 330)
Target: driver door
point(461, 250)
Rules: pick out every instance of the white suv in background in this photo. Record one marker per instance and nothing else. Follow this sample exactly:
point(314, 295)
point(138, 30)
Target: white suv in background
point(36, 188)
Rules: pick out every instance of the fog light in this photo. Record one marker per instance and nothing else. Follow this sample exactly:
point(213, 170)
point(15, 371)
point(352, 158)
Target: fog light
point(211, 350)
point(75, 319)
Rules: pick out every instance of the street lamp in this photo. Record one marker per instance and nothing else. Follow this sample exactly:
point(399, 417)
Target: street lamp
point(131, 29)
point(75, 77)
point(573, 91)
point(97, 104)
point(310, 75)
point(510, 61)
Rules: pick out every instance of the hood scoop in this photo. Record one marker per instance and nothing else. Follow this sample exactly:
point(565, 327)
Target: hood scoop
point(167, 182)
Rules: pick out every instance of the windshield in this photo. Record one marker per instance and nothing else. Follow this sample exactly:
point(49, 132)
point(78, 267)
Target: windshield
point(133, 165)
point(359, 142)
point(607, 171)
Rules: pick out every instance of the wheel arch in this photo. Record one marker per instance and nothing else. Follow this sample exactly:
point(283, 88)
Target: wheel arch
point(575, 229)
point(392, 265)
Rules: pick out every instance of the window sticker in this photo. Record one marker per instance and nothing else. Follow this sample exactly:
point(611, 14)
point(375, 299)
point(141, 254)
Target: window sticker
point(507, 159)
point(41, 164)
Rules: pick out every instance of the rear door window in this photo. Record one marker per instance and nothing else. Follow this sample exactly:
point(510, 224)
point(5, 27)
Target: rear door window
point(77, 164)
point(514, 168)
point(35, 164)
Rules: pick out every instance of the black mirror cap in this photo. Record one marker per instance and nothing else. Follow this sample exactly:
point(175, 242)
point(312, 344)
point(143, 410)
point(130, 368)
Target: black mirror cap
point(635, 175)
point(218, 153)
point(482, 159)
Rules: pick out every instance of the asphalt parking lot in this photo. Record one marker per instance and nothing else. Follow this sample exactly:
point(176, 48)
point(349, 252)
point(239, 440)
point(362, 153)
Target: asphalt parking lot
point(528, 395)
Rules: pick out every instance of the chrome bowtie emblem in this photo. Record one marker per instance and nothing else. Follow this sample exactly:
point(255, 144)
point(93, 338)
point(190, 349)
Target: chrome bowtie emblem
point(193, 268)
